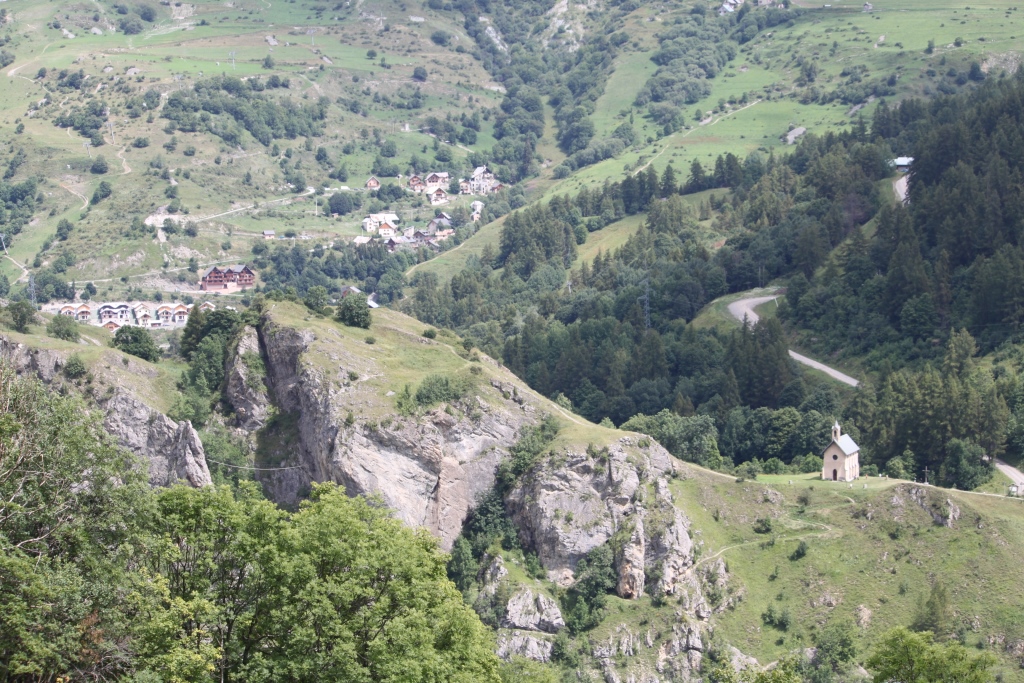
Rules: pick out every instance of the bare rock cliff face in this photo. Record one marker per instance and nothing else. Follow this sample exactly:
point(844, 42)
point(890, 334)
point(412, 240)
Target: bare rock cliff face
point(575, 501)
point(42, 363)
point(430, 470)
point(172, 449)
point(245, 390)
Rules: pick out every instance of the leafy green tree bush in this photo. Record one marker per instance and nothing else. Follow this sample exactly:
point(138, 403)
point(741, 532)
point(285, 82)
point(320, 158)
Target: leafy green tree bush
point(22, 314)
point(354, 311)
point(442, 389)
point(694, 439)
point(137, 341)
point(902, 655)
point(75, 367)
point(63, 327)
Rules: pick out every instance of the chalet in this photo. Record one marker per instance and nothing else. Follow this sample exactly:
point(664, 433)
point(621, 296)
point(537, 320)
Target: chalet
point(482, 182)
point(439, 223)
point(438, 196)
point(164, 314)
point(229, 277)
point(68, 310)
point(373, 183)
point(464, 186)
point(143, 316)
point(416, 184)
point(112, 325)
point(478, 209)
point(83, 313)
point(386, 231)
point(180, 314)
point(120, 312)
point(400, 242)
point(442, 235)
point(420, 236)
point(841, 458)
point(361, 239)
point(902, 164)
point(207, 306)
point(355, 290)
point(436, 180)
point(372, 221)
point(269, 235)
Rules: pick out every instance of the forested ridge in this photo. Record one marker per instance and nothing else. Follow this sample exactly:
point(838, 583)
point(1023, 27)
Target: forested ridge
point(610, 337)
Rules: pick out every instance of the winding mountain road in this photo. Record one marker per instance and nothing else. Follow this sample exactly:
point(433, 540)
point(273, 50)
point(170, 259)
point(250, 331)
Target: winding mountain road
point(744, 308)
point(1015, 475)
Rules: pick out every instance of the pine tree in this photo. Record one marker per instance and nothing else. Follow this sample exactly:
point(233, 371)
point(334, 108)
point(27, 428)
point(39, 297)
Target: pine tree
point(697, 180)
point(192, 334)
point(669, 184)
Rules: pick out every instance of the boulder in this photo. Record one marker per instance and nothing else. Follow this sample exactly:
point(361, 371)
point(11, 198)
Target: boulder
point(531, 611)
point(518, 643)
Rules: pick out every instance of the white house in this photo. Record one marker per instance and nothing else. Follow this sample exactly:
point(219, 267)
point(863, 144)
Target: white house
point(841, 458)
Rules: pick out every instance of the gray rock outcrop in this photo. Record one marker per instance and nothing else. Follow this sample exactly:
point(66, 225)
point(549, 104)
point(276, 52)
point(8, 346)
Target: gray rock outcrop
point(531, 611)
point(430, 470)
point(245, 386)
point(575, 502)
point(518, 643)
point(172, 450)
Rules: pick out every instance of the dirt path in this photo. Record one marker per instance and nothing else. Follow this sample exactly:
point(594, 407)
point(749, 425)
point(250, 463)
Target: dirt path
point(744, 308)
point(126, 169)
point(702, 123)
point(85, 200)
point(24, 270)
point(899, 187)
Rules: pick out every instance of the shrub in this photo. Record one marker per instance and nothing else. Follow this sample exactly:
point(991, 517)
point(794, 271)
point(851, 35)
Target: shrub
point(800, 552)
point(430, 333)
point(442, 388)
point(354, 311)
point(63, 327)
point(763, 525)
point(419, 74)
point(75, 367)
point(102, 192)
point(99, 165)
point(140, 142)
point(440, 37)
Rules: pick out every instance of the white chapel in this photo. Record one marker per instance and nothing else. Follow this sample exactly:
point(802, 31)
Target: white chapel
point(841, 457)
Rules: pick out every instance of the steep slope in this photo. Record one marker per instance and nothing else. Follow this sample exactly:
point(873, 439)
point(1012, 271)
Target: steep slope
point(132, 395)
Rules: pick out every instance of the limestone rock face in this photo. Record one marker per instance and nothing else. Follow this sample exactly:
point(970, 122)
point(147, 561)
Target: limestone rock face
point(631, 564)
point(519, 643)
point(533, 612)
point(430, 470)
point(42, 363)
point(172, 449)
point(575, 502)
point(246, 390)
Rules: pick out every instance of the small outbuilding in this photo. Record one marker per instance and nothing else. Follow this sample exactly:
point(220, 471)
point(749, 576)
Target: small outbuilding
point(841, 458)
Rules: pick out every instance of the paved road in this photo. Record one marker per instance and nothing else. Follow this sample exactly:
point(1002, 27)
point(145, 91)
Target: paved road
point(744, 308)
point(1012, 472)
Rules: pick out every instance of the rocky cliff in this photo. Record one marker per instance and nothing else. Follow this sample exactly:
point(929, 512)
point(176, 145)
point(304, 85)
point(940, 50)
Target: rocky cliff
point(171, 450)
point(430, 469)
